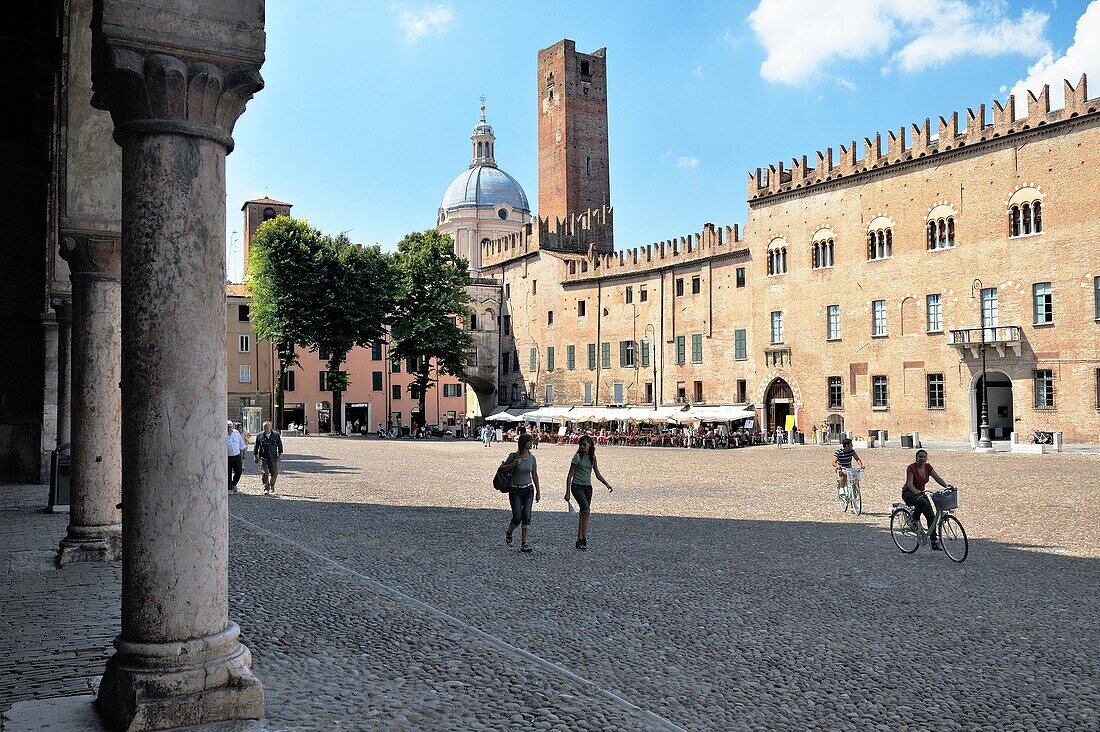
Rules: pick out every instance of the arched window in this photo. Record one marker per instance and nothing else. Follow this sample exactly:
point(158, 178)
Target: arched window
point(823, 249)
point(880, 238)
point(777, 257)
point(479, 149)
point(473, 321)
point(941, 227)
point(269, 213)
point(1025, 211)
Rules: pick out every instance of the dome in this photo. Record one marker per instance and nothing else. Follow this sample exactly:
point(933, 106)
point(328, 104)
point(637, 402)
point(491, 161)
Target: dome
point(484, 186)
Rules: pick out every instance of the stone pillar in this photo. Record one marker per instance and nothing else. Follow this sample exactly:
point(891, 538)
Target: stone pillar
point(63, 309)
point(95, 522)
point(48, 438)
point(175, 86)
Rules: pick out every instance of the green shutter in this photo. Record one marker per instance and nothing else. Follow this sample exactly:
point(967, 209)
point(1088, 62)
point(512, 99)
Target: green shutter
point(680, 349)
point(534, 360)
point(570, 357)
point(697, 348)
point(605, 355)
point(740, 350)
point(622, 353)
point(645, 353)
point(591, 356)
point(549, 358)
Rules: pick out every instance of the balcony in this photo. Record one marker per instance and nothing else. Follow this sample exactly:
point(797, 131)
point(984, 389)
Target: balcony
point(1000, 338)
point(777, 355)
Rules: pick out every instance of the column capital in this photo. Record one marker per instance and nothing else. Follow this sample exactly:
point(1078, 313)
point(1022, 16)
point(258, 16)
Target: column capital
point(157, 70)
point(97, 253)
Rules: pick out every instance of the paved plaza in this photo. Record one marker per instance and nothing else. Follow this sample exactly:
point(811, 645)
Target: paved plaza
point(722, 590)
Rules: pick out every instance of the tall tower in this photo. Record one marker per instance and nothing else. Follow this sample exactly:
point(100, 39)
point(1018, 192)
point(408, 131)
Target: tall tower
point(257, 211)
point(574, 171)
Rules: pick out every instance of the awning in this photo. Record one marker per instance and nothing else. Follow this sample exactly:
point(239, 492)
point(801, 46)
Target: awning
point(548, 414)
point(726, 413)
point(506, 414)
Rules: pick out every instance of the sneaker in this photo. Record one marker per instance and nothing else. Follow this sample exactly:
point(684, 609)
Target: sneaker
point(526, 548)
point(580, 546)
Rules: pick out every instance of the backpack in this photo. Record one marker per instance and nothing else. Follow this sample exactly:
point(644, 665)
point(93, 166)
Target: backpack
point(503, 478)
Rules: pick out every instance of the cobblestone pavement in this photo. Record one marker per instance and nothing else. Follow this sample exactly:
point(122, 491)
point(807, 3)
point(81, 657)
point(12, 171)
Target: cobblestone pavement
point(722, 590)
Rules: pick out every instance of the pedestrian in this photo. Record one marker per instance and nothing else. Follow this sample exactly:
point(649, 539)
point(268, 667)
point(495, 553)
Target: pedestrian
point(268, 452)
point(485, 435)
point(523, 490)
point(778, 436)
point(578, 482)
point(236, 449)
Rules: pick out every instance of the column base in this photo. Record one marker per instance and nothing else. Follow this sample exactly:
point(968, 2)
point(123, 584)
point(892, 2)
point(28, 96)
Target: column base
point(153, 686)
point(90, 544)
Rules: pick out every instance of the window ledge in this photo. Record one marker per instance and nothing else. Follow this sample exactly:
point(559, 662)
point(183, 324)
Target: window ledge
point(880, 409)
point(1043, 325)
point(934, 332)
point(1045, 409)
point(881, 259)
point(1028, 236)
point(937, 409)
point(827, 266)
point(881, 335)
point(940, 249)
point(832, 340)
point(835, 409)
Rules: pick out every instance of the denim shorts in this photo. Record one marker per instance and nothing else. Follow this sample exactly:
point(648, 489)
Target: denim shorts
point(583, 494)
point(522, 500)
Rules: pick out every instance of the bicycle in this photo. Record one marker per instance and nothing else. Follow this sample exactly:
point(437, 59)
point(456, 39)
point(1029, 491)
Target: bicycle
point(909, 535)
point(849, 495)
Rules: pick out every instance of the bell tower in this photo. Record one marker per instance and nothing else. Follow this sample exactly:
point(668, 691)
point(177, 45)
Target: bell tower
point(256, 212)
point(574, 171)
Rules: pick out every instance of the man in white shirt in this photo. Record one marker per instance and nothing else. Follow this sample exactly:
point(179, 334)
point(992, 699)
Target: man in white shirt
point(236, 449)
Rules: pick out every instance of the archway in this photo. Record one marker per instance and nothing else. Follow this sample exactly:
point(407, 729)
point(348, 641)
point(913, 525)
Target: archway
point(835, 425)
point(778, 404)
point(1001, 414)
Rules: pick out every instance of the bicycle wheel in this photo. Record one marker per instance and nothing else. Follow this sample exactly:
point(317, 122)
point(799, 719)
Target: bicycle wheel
point(842, 496)
point(901, 531)
point(953, 539)
point(857, 499)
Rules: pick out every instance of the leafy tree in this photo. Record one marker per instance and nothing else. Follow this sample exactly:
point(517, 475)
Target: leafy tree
point(431, 294)
point(285, 284)
point(357, 296)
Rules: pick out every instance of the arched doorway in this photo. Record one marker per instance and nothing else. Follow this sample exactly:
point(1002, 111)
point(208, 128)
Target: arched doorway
point(835, 425)
point(778, 403)
point(1001, 416)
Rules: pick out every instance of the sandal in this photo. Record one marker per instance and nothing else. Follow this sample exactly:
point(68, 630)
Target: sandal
point(526, 548)
point(508, 538)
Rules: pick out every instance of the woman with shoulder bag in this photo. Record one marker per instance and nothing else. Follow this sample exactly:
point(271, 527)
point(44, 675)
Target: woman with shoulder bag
point(523, 490)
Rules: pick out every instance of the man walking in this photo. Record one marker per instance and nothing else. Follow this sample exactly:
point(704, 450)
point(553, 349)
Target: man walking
point(268, 452)
point(236, 448)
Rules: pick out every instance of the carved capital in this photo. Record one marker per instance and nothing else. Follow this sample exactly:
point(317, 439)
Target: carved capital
point(92, 253)
point(159, 69)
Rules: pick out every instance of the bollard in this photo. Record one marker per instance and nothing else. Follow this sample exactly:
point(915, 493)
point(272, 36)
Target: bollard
point(1014, 438)
point(880, 438)
point(973, 439)
point(916, 439)
point(1057, 442)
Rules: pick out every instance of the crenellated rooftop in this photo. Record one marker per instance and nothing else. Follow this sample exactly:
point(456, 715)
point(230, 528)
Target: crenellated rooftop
point(592, 230)
point(779, 179)
point(706, 244)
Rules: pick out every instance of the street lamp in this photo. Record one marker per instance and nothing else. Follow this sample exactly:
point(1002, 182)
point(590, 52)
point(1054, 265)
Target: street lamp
point(984, 443)
point(652, 360)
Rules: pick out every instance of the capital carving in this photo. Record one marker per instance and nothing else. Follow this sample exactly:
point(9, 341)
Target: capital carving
point(159, 93)
point(96, 253)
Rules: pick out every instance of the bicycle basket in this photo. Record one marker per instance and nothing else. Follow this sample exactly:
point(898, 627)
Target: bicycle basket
point(855, 474)
point(947, 499)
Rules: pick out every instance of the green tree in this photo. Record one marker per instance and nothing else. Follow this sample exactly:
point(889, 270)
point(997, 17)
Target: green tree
point(352, 309)
point(431, 295)
point(285, 283)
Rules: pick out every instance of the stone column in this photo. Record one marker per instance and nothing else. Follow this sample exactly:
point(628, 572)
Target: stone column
point(48, 438)
point(174, 90)
point(95, 523)
point(63, 310)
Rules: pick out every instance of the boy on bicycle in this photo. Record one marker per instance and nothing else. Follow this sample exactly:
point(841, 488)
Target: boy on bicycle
point(842, 461)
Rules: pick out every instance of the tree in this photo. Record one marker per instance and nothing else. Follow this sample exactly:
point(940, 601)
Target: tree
point(284, 280)
point(352, 309)
point(431, 296)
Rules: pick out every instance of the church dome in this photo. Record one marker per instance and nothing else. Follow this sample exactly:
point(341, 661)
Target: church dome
point(485, 186)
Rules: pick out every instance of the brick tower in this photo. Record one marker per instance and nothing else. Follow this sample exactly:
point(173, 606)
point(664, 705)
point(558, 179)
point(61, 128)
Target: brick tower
point(257, 211)
point(573, 161)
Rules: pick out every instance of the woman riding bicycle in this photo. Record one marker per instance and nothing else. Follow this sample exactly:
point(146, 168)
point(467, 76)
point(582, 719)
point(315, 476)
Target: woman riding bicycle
point(913, 493)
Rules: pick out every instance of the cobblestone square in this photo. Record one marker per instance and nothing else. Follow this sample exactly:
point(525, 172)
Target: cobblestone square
point(721, 590)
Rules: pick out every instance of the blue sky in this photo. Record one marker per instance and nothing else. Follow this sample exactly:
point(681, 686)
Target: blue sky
point(369, 105)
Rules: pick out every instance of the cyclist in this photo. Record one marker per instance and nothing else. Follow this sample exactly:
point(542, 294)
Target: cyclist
point(842, 461)
point(913, 493)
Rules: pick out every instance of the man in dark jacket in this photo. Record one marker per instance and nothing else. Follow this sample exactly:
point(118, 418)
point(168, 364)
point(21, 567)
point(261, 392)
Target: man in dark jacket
point(268, 452)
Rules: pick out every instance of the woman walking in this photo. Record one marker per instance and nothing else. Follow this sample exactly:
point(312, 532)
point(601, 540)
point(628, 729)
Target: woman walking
point(579, 482)
point(523, 490)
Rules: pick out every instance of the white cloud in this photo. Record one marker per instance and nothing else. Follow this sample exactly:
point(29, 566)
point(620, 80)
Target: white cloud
point(846, 83)
point(1082, 57)
point(687, 162)
point(697, 71)
point(803, 37)
point(426, 20)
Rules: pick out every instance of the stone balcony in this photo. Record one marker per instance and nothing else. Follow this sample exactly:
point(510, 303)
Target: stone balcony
point(1001, 338)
